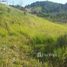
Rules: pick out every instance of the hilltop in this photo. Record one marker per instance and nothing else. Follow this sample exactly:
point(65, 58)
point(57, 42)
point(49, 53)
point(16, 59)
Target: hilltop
point(56, 12)
point(23, 35)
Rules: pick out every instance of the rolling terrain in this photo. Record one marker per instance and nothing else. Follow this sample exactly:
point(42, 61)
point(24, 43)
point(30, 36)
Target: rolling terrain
point(23, 35)
point(55, 12)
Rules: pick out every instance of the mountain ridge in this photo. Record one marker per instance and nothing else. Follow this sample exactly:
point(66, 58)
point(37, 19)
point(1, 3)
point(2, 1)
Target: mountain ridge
point(50, 10)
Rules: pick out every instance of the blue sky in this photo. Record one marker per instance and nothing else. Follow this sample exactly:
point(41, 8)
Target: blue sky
point(26, 2)
point(30, 1)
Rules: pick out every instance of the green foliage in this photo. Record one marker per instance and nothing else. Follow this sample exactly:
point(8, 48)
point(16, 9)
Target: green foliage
point(22, 36)
point(53, 11)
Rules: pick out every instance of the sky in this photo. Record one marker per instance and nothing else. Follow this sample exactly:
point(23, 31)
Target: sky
point(31, 1)
point(26, 2)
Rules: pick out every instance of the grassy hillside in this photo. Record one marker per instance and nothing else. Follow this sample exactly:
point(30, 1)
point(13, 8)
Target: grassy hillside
point(52, 11)
point(21, 34)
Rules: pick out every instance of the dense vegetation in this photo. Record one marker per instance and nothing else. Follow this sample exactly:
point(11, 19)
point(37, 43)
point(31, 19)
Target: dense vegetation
point(30, 41)
point(50, 10)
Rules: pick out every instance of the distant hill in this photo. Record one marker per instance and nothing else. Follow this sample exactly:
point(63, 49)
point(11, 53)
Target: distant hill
point(23, 37)
point(50, 10)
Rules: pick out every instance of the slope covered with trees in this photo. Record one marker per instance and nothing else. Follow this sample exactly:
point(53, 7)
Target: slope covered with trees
point(50, 10)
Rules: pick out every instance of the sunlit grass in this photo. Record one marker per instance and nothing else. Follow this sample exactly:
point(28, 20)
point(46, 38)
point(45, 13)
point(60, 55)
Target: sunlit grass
point(17, 30)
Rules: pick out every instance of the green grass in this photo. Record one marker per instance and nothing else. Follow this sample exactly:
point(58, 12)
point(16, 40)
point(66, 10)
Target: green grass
point(17, 30)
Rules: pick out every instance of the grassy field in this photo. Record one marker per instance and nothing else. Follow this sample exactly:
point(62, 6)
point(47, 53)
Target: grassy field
point(19, 32)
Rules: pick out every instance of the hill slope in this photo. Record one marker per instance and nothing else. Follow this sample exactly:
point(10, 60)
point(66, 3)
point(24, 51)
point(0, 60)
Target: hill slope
point(50, 10)
point(22, 35)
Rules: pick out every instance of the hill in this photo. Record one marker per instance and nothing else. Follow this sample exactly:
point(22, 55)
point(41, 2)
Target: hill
point(23, 36)
point(53, 11)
